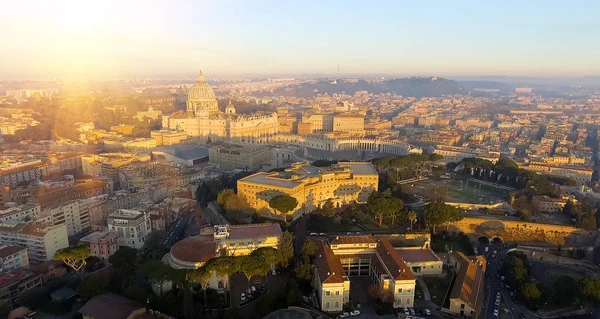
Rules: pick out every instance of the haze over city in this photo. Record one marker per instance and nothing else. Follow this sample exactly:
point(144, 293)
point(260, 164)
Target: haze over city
point(299, 159)
point(169, 39)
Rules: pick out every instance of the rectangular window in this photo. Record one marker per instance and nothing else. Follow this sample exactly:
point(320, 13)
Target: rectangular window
point(462, 306)
point(399, 290)
point(337, 292)
point(327, 293)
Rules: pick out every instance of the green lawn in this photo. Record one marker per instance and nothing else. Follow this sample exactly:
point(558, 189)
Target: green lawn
point(323, 224)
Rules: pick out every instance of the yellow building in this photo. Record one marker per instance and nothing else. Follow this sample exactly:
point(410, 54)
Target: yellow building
point(579, 173)
point(123, 129)
point(346, 256)
point(168, 137)
point(352, 123)
point(467, 293)
point(343, 183)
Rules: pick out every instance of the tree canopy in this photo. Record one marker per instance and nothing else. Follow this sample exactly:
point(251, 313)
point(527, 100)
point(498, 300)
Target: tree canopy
point(124, 257)
point(286, 248)
point(74, 256)
point(224, 196)
point(284, 204)
point(589, 289)
point(384, 206)
point(436, 214)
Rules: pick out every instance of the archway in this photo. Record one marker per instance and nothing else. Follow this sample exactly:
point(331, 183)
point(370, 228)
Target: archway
point(497, 241)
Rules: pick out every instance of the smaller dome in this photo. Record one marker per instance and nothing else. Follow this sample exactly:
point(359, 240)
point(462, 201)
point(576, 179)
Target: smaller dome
point(230, 109)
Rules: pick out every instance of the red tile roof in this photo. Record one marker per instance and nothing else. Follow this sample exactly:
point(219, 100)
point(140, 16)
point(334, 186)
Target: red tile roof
point(418, 255)
point(347, 240)
point(254, 231)
point(392, 261)
point(468, 285)
point(197, 249)
point(6, 251)
point(109, 306)
point(328, 265)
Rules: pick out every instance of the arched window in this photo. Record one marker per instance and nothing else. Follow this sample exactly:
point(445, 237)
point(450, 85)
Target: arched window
point(327, 305)
point(407, 301)
point(337, 304)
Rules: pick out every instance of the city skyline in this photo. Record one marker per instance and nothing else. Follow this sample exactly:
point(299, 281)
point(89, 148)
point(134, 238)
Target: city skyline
point(105, 40)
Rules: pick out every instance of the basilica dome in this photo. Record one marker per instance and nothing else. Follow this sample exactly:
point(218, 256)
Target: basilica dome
point(201, 97)
point(201, 91)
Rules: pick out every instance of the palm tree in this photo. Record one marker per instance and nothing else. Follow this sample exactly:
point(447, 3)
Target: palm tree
point(412, 216)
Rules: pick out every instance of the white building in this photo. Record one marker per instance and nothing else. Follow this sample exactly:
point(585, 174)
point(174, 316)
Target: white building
point(69, 214)
point(131, 226)
point(18, 212)
point(13, 257)
point(42, 241)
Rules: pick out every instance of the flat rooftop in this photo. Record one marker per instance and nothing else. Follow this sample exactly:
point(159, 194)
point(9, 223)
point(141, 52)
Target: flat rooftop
point(266, 179)
point(126, 214)
point(360, 168)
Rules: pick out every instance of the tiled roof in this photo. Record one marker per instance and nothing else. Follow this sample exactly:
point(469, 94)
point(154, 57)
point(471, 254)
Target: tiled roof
point(328, 265)
point(347, 240)
point(6, 251)
point(195, 249)
point(109, 306)
point(254, 231)
point(392, 261)
point(418, 255)
point(468, 285)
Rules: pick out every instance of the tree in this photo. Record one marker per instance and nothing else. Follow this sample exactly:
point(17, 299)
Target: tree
point(224, 196)
point(223, 267)
point(284, 204)
point(294, 295)
point(328, 209)
point(123, 258)
point(412, 216)
point(74, 256)
point(589, 289)
point(436, 214)
point(285, 248)
point(91, 286)
point(530, 293)
point(269, 255)
point(569, 208)
point(201, 276)
point(253, 265)
point(588, 221)
point(384, 207)
point(309, 249)
point(154, 239)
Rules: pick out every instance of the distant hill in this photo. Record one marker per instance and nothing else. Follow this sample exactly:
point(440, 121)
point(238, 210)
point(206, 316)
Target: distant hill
point(418, 87)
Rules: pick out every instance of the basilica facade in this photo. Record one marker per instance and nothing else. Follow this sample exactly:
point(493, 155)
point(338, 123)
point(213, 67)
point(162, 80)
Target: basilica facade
point(204, 120)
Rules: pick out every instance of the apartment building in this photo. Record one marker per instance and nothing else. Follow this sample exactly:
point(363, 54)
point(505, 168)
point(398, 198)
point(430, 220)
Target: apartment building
point(102, 244)
point(168, 137)
point(22, 212)
point(131, 227)
point(344, 256)
point(15, 283)
point(343, 183)
point(42, 241)
point(69, 214)
point(579, 173)
point(13, 257)
point(18, 173)
point(78, 191)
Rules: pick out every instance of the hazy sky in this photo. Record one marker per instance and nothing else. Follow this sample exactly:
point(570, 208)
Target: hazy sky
point(127, 38)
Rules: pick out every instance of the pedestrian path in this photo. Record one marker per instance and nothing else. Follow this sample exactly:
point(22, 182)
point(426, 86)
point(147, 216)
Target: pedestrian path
point(424, 288)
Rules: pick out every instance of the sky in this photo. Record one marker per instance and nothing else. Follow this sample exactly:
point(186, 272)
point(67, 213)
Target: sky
point(174, 39)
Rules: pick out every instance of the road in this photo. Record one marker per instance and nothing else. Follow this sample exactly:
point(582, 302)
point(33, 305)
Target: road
point(176, 230)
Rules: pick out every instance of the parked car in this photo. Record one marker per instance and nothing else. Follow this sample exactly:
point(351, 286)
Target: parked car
point(412, 311)
point(313, 234)
point(253, 289)
point(322, 234)
point(243, 297)
point(344, 315)
point(355, 312)
point(257, 280)
point(427, 312)
point(496, 312)
point(406, 311)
